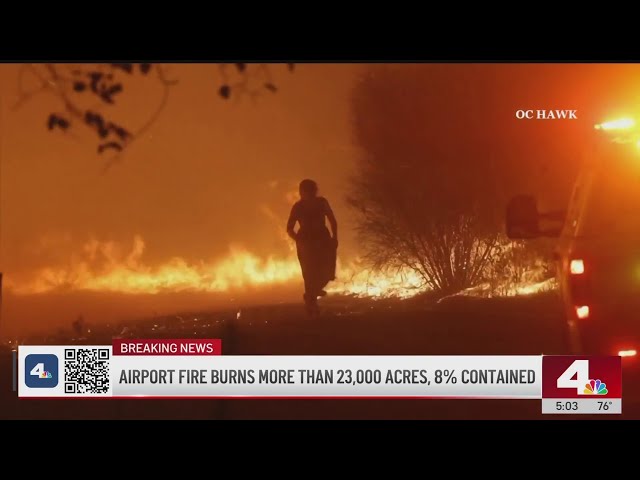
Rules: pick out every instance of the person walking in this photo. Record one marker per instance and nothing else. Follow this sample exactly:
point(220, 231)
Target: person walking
point(315, 245)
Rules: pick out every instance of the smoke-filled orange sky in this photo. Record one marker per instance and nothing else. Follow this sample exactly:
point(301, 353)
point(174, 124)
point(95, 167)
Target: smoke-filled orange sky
point(209, 173)
point(208, 176)
point(199, 180)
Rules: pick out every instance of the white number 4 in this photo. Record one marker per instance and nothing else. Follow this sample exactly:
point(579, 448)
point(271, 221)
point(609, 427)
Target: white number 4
point(37, 370)
point(579, 369)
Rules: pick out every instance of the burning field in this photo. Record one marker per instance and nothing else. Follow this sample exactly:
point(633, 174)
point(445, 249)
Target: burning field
point(193, 212)
point(112, 268)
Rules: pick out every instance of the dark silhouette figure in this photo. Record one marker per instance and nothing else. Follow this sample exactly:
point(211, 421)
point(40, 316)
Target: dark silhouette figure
point(316, 246)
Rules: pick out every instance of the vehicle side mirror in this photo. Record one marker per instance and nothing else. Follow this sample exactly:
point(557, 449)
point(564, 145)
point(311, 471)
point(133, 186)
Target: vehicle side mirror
point(523, 217)
point(524, 220)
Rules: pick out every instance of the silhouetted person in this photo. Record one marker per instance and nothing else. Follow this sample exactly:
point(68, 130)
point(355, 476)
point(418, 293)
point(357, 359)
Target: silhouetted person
point(78, 326)
point(316, 246)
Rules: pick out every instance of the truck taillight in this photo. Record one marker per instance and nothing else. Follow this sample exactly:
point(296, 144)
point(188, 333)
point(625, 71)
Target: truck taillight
point(580, 285)
point(576, 267)
point(582, 312)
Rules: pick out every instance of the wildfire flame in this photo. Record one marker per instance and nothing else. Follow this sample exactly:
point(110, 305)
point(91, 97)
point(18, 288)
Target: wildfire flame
point(107, 267)
point(127, 273)
point(523, 288)
point(364, 283)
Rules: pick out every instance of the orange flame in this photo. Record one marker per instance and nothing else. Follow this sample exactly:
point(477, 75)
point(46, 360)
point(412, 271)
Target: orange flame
point(361, 282)
point(127, 273)
point(107, 267)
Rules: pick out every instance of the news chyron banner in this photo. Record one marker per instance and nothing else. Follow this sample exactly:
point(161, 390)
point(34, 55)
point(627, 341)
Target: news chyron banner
point(196, 368)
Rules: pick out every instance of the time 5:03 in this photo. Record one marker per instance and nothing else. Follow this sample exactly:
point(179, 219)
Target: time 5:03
point(560, 406)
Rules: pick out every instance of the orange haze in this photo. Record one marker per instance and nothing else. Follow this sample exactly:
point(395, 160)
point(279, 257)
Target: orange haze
point(193, 214)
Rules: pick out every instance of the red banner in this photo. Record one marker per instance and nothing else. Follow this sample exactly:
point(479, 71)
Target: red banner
point(195, 346)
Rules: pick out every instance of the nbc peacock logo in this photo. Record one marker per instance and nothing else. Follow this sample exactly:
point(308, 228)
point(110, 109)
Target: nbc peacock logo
point(595, 387)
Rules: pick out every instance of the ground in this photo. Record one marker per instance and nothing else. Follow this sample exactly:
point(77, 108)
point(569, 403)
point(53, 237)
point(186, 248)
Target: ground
point(517, 326)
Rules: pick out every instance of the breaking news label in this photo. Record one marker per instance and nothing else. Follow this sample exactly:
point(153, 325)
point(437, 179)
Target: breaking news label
point(197, 368)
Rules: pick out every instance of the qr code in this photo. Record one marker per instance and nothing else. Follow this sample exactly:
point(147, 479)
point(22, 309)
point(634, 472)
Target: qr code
point(86, 370)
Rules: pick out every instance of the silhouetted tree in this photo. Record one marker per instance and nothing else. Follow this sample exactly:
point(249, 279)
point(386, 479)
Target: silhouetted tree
point(429, 192)
point(105, 82)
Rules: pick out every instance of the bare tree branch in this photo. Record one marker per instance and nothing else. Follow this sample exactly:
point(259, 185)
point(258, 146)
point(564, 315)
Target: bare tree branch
point(105, 82)
point(166, 84)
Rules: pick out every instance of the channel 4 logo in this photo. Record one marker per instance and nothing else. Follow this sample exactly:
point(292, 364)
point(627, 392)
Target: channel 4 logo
point(566, 376)
point(41, 370)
